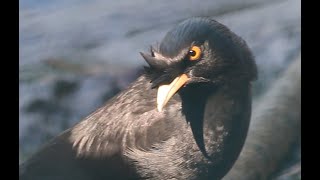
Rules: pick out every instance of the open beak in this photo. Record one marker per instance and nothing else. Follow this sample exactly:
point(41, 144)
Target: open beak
point(165, 92)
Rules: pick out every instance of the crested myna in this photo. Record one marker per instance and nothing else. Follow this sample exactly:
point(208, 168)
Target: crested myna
point(185, 117)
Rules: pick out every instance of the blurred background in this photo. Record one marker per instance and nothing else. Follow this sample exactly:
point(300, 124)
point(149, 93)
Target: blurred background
point(76, 54)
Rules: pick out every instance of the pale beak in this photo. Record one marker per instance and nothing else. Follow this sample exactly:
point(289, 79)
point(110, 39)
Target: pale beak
point(165, 92)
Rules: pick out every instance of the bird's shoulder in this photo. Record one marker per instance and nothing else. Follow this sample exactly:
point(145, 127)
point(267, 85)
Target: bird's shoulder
point(129, 120)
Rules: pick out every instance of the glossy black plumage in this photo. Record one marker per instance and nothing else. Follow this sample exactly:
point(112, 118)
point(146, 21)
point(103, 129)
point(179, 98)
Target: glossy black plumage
point(199, 133)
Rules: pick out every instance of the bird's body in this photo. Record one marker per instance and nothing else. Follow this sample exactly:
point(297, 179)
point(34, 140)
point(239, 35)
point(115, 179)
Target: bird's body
point(197, 135)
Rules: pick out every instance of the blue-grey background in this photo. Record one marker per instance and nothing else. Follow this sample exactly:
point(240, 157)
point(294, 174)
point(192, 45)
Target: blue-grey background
point(75, 54)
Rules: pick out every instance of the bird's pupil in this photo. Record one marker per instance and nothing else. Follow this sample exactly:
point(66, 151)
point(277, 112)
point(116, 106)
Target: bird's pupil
point(192, 53)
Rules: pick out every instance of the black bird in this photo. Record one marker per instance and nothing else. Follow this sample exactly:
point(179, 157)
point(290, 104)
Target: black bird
point(185, 117)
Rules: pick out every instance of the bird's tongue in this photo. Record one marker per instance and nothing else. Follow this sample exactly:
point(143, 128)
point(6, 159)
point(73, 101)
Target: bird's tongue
point(165, 92)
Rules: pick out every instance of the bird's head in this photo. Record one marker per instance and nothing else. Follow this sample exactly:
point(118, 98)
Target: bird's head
point(198, 50)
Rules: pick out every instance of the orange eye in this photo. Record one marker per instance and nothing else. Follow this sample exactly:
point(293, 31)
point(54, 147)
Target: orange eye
point(194, 53)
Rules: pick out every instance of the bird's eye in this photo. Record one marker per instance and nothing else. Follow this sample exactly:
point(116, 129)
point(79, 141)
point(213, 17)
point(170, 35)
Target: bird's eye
point(194, 53)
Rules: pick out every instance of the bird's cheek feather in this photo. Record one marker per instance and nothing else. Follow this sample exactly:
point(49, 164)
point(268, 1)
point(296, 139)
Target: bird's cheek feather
point(166, 91)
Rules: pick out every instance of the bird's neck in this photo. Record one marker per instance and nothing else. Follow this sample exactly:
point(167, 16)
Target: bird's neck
point(194, 98)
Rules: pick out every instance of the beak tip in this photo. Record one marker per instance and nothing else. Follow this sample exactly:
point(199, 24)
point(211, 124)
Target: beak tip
point(159, 108)
point(165, 92)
